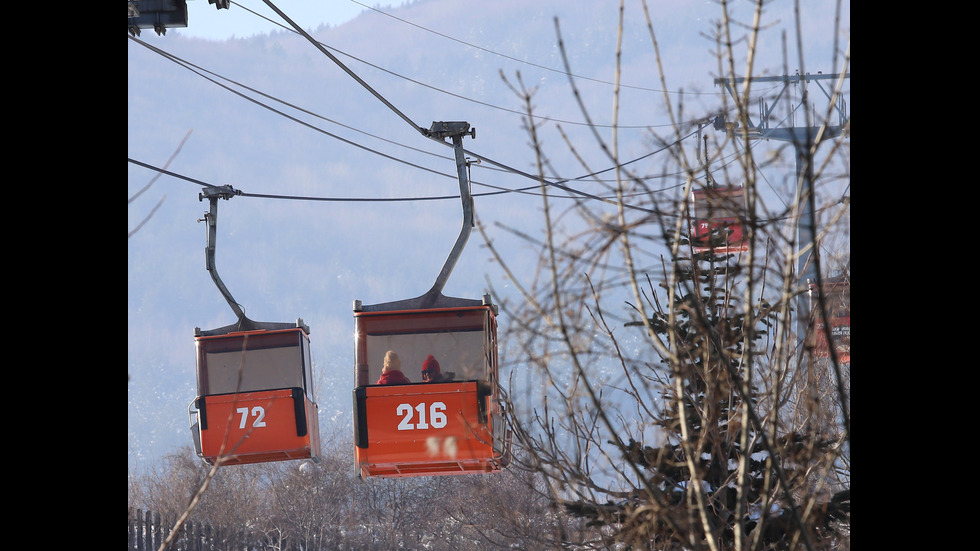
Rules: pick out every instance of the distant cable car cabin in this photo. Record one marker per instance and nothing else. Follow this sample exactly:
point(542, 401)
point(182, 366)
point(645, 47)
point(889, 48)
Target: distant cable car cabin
point(717, 221)
point(255, 400)
point(837, 296)
point(452, 427)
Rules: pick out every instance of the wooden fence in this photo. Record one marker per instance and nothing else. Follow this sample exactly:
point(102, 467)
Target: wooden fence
point(147, 531)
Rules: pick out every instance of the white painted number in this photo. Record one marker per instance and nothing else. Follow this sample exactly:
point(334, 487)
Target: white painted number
point(436, 416)
point(258, 412)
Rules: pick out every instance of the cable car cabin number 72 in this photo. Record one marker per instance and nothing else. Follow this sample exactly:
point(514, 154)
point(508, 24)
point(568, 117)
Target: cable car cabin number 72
point(255, 399)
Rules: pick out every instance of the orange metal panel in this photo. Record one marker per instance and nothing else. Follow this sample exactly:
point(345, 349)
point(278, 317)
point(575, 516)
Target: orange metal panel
point(426, 429)
point(258, 427)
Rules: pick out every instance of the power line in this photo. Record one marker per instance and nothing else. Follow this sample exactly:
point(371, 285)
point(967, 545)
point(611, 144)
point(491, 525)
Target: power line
point(558, 184)
point(478, 102)
point(559, 71)
point(339, 199)
point(507, 168)
point(424, 131)
point(196, 68)
point(290, 117)
point(589, 123)
point(352, 74)
point(396, 199)
point(306, 198)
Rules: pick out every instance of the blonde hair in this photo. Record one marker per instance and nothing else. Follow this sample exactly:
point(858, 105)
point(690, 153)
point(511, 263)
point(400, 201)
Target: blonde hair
point(391, 362)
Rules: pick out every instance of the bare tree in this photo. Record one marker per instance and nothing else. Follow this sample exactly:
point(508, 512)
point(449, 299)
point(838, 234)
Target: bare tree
point(150, 184)
point(680, 404)
point(509, 510)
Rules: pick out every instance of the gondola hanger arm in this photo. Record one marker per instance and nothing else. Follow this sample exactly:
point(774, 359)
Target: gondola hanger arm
point(213, 193)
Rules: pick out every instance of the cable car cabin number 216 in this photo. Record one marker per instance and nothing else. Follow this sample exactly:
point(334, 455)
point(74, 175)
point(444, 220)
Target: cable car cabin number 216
point(437, 413)
point(415, 428)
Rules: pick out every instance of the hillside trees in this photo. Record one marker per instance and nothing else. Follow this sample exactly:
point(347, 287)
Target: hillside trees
point(678, 403)
point(325, 505)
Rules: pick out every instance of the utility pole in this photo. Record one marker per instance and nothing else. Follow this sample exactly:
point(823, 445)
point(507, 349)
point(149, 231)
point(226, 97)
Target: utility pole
point(802, 138)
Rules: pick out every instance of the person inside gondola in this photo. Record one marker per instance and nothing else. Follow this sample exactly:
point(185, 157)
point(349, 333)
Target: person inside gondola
point(431, 372)
point(391, 371)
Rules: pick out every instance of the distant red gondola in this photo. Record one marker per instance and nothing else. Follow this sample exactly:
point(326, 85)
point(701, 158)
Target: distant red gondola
point(837, 296)
point(716, 224)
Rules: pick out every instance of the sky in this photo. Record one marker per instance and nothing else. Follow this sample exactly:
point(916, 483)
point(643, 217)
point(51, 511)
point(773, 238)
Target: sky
point(245, 18)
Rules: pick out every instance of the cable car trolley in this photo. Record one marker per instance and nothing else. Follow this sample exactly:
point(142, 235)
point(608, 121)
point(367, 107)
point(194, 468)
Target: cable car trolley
point(444, 416)
point(255, 400)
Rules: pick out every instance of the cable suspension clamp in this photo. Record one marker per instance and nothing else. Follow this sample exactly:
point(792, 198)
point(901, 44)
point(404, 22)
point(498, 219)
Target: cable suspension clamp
point(221, 192)
point(442, 129)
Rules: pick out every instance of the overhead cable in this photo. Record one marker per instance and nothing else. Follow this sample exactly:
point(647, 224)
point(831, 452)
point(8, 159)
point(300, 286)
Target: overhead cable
point(353, 75)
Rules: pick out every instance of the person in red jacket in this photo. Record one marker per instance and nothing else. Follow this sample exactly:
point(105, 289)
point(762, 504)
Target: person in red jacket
point(391, 371)
point(431, 373)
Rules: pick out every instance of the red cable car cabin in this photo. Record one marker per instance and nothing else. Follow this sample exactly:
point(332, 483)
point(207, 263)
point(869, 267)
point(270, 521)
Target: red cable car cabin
point(717, 221)
point(837, 294)
point(255, 400)
point(436, 428)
